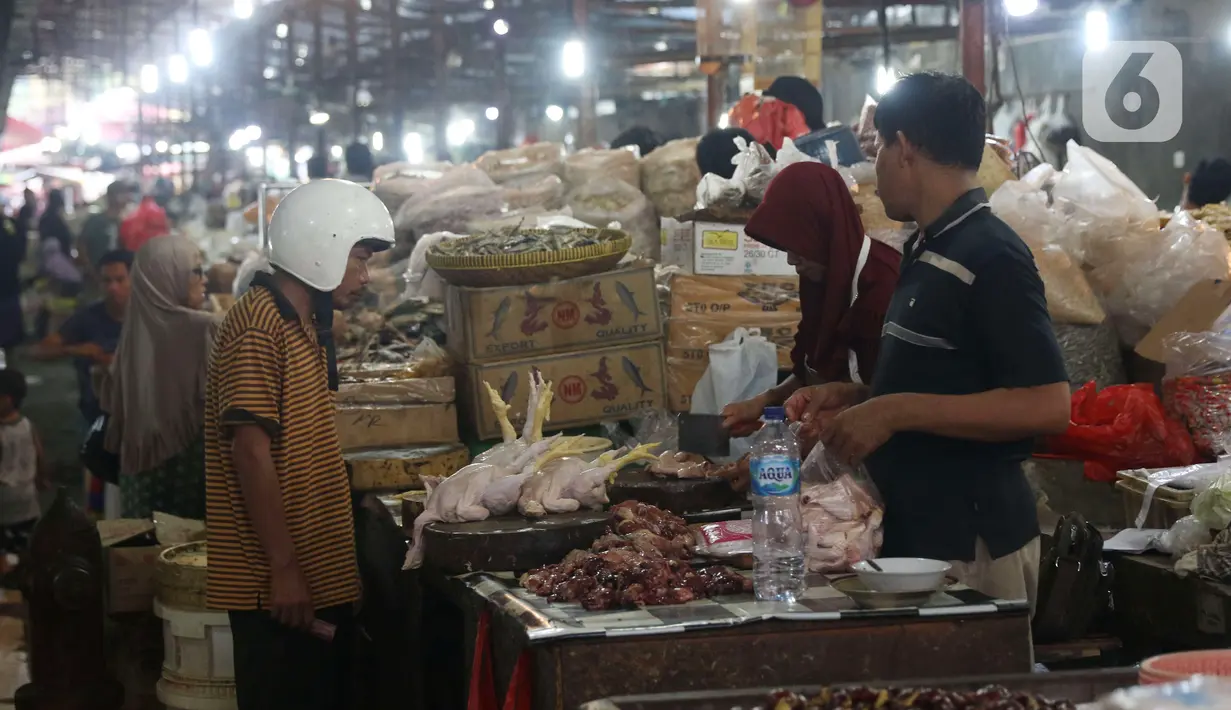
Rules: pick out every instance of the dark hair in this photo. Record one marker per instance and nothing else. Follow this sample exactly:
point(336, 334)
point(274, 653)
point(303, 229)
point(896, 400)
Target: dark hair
point(318, 167)
point(55, 201)
point(716, 149)
point(800, 93)
point(359, 160)
point(1210, 183)
point(646, 140)
point(117, 256)
point(13, 386)
point(941, 114)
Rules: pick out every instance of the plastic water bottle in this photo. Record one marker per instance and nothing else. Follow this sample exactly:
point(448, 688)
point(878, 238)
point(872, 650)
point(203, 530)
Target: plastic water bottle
point(777, 526)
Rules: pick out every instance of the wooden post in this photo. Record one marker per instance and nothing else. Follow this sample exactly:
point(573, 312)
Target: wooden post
point(972, 35)
point(587, 128)
point(815, 23)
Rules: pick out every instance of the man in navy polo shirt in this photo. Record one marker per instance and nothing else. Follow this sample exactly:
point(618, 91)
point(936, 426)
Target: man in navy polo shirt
point(969, 372)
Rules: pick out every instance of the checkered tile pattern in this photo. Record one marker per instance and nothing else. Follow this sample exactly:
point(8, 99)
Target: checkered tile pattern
point(545, 621)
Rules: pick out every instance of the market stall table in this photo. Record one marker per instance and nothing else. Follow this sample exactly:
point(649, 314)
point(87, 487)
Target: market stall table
point(1158, 610)
point(731, 642)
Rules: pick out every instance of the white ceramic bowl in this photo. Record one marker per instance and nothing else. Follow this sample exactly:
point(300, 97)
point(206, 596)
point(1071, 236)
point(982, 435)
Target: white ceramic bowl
point(903, 574)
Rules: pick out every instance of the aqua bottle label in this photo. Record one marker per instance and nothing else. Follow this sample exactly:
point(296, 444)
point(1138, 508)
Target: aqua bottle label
point(775, 476)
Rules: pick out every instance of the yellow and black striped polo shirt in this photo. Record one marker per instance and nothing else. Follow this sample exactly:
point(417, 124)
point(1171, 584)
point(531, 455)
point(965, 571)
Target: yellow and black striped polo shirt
point(268, 368)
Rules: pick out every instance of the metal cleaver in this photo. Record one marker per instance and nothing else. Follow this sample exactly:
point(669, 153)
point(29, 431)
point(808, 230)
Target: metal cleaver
point(704, 435)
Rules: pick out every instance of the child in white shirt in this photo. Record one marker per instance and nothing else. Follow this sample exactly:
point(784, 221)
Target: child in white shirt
point(21, 466)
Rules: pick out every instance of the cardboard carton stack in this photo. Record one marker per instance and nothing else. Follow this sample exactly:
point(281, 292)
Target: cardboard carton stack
point(395, 427)
point(706, 309)
point(597, 338)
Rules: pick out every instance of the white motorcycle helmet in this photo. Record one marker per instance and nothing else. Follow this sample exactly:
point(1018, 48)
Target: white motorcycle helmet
point(316, 225)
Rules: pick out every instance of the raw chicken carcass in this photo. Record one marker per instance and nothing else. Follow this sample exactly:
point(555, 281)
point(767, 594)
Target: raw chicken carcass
point(565, 484)
point(538, 410)
point(460, 497)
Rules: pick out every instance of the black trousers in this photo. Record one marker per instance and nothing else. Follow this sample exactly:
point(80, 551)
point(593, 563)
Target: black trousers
point(280, 667)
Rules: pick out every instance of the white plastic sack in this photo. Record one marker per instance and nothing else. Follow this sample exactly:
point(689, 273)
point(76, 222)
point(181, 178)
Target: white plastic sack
point(741, 367)
point(421, 280)
point(449, 210)
point(521, 162)
point(1111, 212)
point(539, 191)
point(252, 264)
point(669, 177)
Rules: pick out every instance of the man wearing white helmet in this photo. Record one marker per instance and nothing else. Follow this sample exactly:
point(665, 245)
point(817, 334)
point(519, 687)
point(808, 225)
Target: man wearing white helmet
point(281, 536)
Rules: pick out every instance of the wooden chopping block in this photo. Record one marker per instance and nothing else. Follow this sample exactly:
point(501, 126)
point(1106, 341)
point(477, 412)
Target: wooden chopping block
point(678, 495)
point(403, 469)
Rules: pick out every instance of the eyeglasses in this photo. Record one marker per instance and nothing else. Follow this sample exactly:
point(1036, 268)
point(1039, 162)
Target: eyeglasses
point(199, 271)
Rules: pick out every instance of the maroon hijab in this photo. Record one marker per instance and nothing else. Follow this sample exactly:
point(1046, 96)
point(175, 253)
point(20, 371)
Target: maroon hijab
point(808, 211)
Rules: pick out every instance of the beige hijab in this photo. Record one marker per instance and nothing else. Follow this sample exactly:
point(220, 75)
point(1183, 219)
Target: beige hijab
point(155, 390)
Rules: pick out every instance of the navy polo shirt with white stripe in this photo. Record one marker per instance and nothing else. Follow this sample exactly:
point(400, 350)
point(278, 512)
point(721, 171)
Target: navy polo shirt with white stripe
point(969, 315)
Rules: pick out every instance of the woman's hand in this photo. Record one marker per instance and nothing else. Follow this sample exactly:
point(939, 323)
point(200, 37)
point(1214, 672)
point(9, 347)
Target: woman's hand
point(743, 418)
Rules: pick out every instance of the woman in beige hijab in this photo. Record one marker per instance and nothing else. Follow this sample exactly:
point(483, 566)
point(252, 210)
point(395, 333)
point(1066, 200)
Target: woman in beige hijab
point(155, 391)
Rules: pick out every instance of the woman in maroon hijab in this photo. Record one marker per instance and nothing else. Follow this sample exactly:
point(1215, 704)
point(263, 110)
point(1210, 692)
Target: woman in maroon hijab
point(845, 283)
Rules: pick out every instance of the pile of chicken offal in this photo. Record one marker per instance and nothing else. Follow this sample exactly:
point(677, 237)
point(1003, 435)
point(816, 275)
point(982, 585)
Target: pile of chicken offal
point(640, 561)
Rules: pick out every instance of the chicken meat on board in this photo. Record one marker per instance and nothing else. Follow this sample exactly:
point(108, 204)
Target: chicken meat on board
point(842, 523)
point(459, 498)
point(565, 484)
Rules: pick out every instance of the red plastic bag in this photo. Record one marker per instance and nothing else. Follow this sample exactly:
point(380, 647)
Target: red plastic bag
point(145, 223)
point(1121, 428)
point(768, 119)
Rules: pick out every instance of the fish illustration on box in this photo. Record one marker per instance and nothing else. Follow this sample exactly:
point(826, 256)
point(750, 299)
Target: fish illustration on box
point(634, 374)
point(502, 311)
point(629, 300)
point(509, 388)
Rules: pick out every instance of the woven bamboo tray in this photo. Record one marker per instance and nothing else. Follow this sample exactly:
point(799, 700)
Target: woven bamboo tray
point(491, 270)
point(181, 576)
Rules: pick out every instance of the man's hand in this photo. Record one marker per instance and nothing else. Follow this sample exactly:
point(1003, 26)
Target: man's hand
point(292, 600)
point(815, 406)
point(743, 418)
point(93, 352)
point(858, 431)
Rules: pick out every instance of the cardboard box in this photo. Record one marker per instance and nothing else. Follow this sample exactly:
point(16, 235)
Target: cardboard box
point(683, 374)
point(724, 249)
point(367, 426)
point(691, 339)
point(1203, 308)
point(421, 390)
point(743, 297)
point(131, 562)
point(403, 469)
point(591, 386)
point(490, 324)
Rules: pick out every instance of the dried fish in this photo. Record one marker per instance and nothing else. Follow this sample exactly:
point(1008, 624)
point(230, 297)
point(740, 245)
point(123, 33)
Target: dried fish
point(519, 240)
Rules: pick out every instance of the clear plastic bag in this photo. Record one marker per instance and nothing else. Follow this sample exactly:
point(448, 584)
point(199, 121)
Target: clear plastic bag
point(1111, 213)
point(525, 161)
point(1196, 693)
point(396, 183)
point(1197, 387)
point(1150, 276)
point(1212, 506)
point(842, 513)
point(585, 165)
point(605, 200)
point(1070, 298)
point(866, 131)
point(669, 177)
point(1186, 535)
